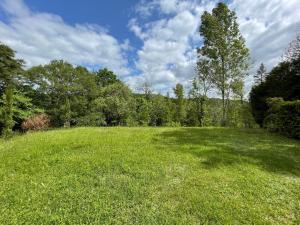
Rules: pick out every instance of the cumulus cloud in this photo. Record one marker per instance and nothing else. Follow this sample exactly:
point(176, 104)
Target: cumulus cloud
point(40, 37)
point(168, 52)
point(168, 30)
point(268, 27)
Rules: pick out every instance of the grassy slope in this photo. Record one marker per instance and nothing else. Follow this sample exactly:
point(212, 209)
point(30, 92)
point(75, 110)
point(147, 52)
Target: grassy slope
point(150, 176)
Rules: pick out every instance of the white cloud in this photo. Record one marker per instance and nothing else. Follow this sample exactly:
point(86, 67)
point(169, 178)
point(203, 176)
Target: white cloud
point(168, 54)
point(268, 27)
point(168, 30)
point(40, 37)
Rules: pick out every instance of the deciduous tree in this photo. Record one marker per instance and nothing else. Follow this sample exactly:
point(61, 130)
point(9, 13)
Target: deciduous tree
point(225, 49)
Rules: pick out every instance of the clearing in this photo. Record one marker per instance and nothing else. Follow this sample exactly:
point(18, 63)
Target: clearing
point(150, 176)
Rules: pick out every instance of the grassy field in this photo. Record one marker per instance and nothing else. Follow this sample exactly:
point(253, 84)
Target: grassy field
point(150, 176)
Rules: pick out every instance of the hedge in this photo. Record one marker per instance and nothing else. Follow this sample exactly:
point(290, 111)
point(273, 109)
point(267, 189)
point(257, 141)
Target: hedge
point(284, 117)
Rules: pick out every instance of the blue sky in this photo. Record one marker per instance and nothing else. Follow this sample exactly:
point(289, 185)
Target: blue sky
point(140, 40)
point(112, 15)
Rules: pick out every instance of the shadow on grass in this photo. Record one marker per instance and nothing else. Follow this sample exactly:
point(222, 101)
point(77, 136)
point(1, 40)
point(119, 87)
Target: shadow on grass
point(225, 147)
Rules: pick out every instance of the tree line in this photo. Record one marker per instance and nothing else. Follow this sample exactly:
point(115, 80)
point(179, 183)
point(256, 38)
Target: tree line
point(68, 95)
point(275, 98)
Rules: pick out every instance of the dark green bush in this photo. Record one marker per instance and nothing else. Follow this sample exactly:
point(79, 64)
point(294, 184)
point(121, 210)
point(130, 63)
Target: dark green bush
point(284, 117)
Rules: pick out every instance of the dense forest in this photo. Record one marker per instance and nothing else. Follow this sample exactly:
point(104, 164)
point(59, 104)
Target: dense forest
point(60, 94)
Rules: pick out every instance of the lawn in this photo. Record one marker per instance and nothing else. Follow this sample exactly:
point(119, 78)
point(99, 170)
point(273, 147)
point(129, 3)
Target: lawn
point(150, 176)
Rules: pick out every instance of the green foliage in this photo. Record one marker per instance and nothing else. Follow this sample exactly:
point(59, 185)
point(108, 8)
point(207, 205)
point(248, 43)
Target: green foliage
point(143, 109)
point(10, 68)
point(180, 104)
point(238, 115)
point(65, 111)
point(160, 114)
point(150, 176)
point(247, 117)
point(22, 108)
point(92, 119)
point(224, 50)
point(259, 107)
point(73, 96)
point(116, 103)
point(104, 77)
point(7, 112)
point(283, 81)
point(193, 112)
point(200, 86)
point(283, 117)
point(63, 91)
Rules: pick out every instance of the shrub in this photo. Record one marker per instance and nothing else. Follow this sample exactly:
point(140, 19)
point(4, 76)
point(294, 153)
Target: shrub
point(35, 123)
point(289, 115)
point(284, 117)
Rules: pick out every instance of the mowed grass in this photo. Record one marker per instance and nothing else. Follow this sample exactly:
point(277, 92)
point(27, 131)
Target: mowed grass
point(150, 176)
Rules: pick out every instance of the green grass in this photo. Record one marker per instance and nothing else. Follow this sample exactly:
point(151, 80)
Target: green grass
point(150, 176)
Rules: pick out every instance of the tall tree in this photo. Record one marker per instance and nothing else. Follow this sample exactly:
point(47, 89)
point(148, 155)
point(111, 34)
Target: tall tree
point(179, 93)
point(261, 74)
point(225, 49)
point(10, 69)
